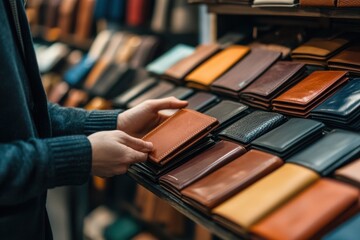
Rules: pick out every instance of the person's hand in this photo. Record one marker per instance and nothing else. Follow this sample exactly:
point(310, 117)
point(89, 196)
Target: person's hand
point(114, 151)
point(142, 118)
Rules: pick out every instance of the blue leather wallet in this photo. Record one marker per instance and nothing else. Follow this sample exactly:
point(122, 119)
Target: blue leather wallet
point(347, 231)
point(290, 137)
point(330, 152)
point(78, 73)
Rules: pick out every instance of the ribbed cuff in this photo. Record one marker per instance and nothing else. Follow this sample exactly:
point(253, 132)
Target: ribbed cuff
point(70, 160)
point(101, 120)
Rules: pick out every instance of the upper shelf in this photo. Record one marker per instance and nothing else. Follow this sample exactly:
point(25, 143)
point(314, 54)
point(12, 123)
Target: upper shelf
point(338, 13)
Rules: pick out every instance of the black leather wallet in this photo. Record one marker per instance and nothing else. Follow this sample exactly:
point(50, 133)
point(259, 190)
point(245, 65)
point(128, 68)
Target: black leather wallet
point(252, 126)
point(179, 92)
point(227, 112)
point(202, 101)
point(290, 137)
point(330, 152)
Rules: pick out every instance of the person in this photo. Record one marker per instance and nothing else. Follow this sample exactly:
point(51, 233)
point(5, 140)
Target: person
point(43, 145)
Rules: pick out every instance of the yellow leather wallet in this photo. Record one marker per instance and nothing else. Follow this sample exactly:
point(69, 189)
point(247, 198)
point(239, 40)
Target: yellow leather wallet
point(177, 134)
point(214, 67)
point(257, 201)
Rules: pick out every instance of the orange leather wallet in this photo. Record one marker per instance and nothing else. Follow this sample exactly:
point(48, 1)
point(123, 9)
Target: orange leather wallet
point(177, 134)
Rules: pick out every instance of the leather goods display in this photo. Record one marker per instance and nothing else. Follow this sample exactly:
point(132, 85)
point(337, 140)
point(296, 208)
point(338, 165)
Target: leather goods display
point(67, 16)
point(145, 52)
point(348, 3)
point(201, 165)
point(309, 93)
point(245, 72)
point(308, 214)
point(347, 231)
point(177, 134)
point(227, 112)
point(318, 50)
point(275, 3)
point(350, 173)
point(201, 101)
point(123, 99)
point(214, 67)
point(77, 73)
point(318, 3)
point(161, 88)
point(276, 80)
point(290, 137)
point(257, 201)
point(252, 126)
point(347, 59)
point(330, 152)
point(85, 19)
point(210, 191)
point(137, 12)
point(343, 108)
point(169, 58)
point(178, 71)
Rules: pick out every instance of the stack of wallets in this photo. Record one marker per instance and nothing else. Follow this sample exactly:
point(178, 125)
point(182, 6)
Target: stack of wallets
point(277, 79)
point(342, 109)
point(348, 59)
point(309, 93)
point(245, 72)
point(349, 173)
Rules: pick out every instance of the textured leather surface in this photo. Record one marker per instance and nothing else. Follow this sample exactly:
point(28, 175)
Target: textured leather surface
point(330, 152)
point(230, 179)
point(291, 136)
point(227, 111)
point(309, 212)
point(214, 67)
point(350, 173)
point(201, 165)
point(348, 3)
point(178, 133)
point(179, 70)
point(347, 231)
point(247, 208)
point(252, 126)
point(317, 3)
point(347, 59)
point(200, 101)
point(246, 71)
point(155, 92)
point(169, 58)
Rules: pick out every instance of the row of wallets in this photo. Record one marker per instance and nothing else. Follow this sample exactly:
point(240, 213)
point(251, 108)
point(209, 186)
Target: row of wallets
point(62, 19)
point(284, 3)
point(244, 188)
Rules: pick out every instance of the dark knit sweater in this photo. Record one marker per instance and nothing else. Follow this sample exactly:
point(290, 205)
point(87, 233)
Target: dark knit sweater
point(41, 145)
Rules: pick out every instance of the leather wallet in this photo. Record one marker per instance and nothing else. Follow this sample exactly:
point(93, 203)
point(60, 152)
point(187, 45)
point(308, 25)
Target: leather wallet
point(67, 16)
point(310, 212)
point(227, 112)
point(317, 3)
point(343, 108)
point(52, 56)
point(348, 3)
point(179, 93)
point(330, 152)
point(98, 103)
point(309, 93)
point(318, 50)
point(200, 166)
point(148, 48)
point(155, 92)
point(178, 71)
point(169, 58)
point(276, 80)
point(84, 20)
point(76, 98)
point(348, 59)
point(214, 67)
point(245, 72)
point(252, 126)
point(160, 17)
point(123, 99)
point(348, 230)
point(177, 134)
point(230, 179)
point(290, 137)
point(275, 3)
point(246, 208)
point(137, 12)
point(350, 173)
point(201, 101)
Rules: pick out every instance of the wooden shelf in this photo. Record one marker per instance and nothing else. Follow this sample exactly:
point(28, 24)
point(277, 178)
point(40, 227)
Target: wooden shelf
point(333, 13)
point(185, 209)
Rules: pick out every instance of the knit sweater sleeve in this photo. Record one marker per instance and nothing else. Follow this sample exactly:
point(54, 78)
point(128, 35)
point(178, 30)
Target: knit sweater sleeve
point(28, 168)
point(70, 121)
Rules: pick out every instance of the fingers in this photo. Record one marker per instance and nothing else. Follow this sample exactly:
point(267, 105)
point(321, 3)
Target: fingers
point(135, 143)
point(167, 103)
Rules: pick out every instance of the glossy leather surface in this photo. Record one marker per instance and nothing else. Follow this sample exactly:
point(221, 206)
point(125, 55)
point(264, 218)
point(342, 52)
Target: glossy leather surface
point(330, 152)
point(348, 59)
point(310, 212)
point(178, 133)
point(252, 126)
point(350, 173)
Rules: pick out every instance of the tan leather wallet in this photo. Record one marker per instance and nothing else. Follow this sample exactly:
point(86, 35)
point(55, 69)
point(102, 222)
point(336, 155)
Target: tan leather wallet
point(263, 197)
point(350, 173)
point(213, 68)
point(177, 134)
